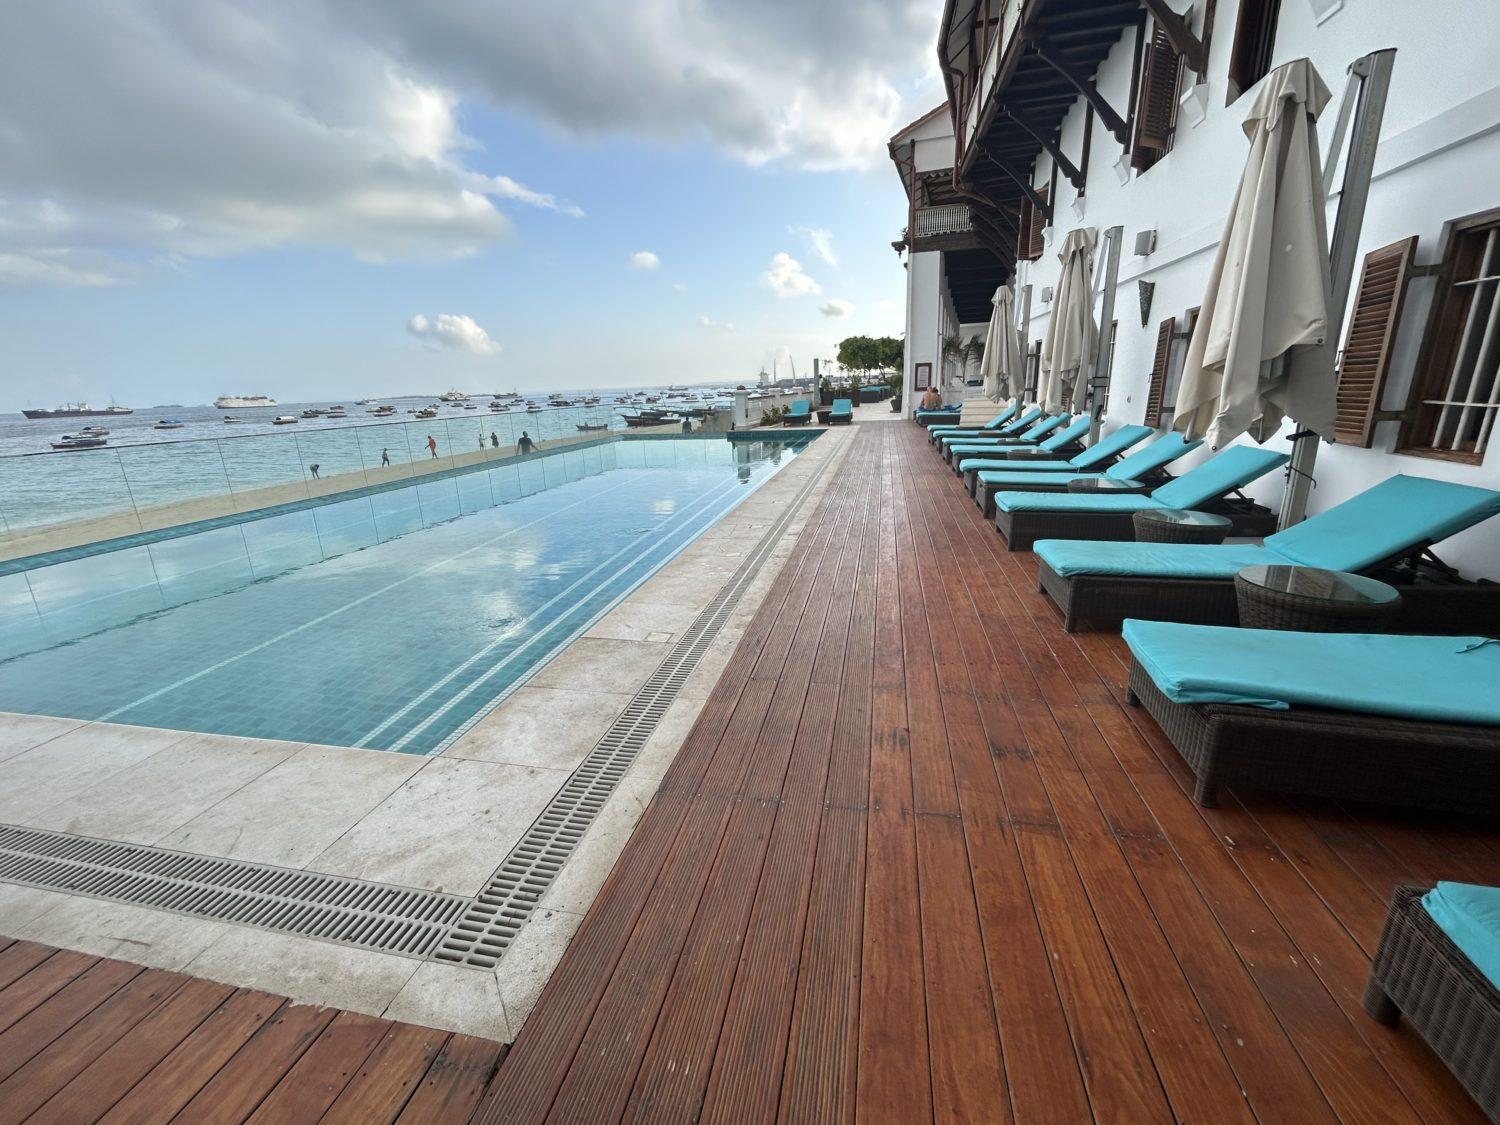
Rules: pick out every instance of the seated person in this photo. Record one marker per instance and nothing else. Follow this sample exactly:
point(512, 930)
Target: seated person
point(931, 400)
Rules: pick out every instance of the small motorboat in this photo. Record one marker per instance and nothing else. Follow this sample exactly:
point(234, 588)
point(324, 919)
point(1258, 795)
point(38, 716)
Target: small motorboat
point(92, 431)
point(284, 420)
point(79, 441)
point(429, 412)
point(231, 420)
point(533, 408)
point(588, 427)
point(169, 424)
point(312, 414)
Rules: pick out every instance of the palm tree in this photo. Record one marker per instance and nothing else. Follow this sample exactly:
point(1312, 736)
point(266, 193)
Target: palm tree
point(955, 351)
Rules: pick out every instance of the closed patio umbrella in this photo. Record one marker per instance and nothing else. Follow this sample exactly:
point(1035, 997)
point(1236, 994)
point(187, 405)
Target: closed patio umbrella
point(1268, 290)
point(1001, 363)
point(1072, 335)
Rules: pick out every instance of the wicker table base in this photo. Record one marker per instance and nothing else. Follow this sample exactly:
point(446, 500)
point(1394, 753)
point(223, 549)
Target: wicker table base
point(1351, 603)
point(1172, 525)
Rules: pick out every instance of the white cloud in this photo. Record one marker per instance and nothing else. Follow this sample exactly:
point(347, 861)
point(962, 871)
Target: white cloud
point(507, 188)
point(822, 242)
point(706, 321)
point(837, 307)
point(644, 260)
point(453, 330)
point(786, 279)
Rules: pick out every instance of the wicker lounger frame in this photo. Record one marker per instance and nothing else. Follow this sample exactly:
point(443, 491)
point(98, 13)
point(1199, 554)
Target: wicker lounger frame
point(1344, 755)
point(1062, 452)
point(1022, 529)
point(1109, 599)
point(1419, 973)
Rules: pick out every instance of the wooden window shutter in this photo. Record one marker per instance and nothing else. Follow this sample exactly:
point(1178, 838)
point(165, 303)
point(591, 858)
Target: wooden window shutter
point(1157, 388)
point(1034, 244)
point(1156, 104)
point(1370, 340)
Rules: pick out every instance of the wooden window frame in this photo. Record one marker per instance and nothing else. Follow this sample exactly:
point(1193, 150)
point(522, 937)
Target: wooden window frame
point(1144, 156)
point(1254, 47)
point(1161, 366)
point(1370, 341)
point(1440, 340)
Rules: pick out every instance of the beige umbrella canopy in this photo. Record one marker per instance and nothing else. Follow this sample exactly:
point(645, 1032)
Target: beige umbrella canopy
point(1001, 363)
point(1269, 287)
point(1072, 335)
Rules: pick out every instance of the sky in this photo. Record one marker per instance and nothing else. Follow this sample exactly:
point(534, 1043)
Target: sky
point(328, 199)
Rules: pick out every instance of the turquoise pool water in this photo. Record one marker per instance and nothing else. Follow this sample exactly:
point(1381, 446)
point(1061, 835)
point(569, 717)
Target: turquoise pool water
point(385, 620)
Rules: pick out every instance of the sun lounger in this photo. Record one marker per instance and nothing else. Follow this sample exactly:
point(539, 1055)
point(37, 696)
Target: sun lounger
point(842, 413)
point(1361, 717)
point(1145, 465)
point(1007, 421)
point(952, 446)
point(940, 417)
point(798, 414)
point(1025, 517)
point(1438, 965)
point(1395, 520)
point(1063, 441)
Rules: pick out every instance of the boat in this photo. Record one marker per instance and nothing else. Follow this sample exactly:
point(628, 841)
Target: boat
point(231, 420)
point(429, 412)
point(312, 413)
point(284, 420)
point(169, 424)
point(242, 402)
point(653, 418)
point(78, 410)
point(453, 396)
point(533, 408)
point(590, 426)
point(79, 441)
point(93, 431)
point(471, 406)
point(382, 411)
point(366, 401)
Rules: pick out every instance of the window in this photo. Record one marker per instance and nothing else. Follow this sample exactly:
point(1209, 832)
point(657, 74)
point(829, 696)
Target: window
point(1455, 393)
point(1156, 387)
point(1156, 100)
point(1254, 43)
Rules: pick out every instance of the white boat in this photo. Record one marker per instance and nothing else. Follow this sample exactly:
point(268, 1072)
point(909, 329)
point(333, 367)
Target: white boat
point(231, 420)
point(453, 396)
point(241, 402)
point(284, 420)
point(79, 441)
point(93, 431)
point(533, 408)
point(366, 402)
point(169, 424)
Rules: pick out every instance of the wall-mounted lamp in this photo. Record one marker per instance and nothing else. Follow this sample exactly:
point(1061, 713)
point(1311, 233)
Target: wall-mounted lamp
point(1122, 167)
point(1145, 243)
point(1146, 290)
point(1046, 294)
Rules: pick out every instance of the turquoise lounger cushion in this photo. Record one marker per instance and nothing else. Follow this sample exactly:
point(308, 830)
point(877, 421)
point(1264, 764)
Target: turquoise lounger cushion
point(1003, 477)
point(1075, 431)
point(1235, 467)
point(1143, 462)
point(1045, 427)
point(1072, 502)
point(1111, 446)
point(842, 406)
point(993, 424)
point(1390, 518)
point(1069, 557)
point(1023, 421)
point(800, 406)
point(1440, 679)
point(1030, 437)
point(1470, 916)
point(984, 465)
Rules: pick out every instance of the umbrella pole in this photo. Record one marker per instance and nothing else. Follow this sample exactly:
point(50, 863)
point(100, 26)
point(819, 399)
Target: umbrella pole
point(1373, 72)
point(1025, 327)
point(1102, 357)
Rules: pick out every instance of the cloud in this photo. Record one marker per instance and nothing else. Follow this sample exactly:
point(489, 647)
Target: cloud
point(837, 308)
point(507, 188)
point(815, 85)
point(786, 279)
point(705, 321)
point(644, 260)
point(453, 330)
point(822, 242)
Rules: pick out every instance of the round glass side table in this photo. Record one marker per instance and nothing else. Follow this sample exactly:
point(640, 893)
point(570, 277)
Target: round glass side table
point(1180, 525)
point(1307, 599)
point(1112, 486)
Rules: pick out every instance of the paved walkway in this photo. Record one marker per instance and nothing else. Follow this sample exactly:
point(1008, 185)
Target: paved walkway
point(919, 861)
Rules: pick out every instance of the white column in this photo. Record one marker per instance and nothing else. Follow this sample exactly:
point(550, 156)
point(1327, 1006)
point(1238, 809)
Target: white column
point(924, 319)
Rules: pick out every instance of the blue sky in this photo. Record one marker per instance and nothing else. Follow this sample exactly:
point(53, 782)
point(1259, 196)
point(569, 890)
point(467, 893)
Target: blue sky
point(264, 205)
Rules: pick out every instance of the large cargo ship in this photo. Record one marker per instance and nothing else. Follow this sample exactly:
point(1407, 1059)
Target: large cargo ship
point(240, 402)
point(77, 410)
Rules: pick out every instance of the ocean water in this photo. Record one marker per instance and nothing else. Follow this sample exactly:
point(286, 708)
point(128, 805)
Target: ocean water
point(144, 467)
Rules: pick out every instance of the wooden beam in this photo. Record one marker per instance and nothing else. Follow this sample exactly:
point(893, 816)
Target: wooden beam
point(1184, 42)
point(1027, 190)
point(1064, 165)
point(1086, 88)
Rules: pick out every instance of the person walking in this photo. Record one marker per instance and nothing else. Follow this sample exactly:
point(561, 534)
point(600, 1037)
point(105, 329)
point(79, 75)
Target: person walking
point(385, 458)
point(494, 440)
point(481, 443)
point(525, 444)
point(687, 424)
point(313, 468)
point(432, 446)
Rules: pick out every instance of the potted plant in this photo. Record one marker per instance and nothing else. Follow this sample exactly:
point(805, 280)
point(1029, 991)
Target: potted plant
point(825, 391)
point(896, 382)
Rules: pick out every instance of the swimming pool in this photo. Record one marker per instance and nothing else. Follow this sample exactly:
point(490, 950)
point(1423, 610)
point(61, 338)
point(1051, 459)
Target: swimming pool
point(385, 619)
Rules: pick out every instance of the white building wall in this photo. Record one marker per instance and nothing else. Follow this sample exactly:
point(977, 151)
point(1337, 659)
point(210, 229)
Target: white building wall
point(1439, 159)
point(925, 290)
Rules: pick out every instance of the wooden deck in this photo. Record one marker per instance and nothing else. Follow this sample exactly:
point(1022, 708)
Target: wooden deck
point(87, 1039)
point(918, 860)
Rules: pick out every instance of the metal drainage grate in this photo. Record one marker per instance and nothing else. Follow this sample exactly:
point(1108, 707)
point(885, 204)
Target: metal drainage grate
point(375, 916)
point(482, 935)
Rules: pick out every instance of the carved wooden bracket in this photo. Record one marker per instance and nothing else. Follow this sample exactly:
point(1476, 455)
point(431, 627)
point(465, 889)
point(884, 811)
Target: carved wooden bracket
point(1064, 165)
point(1081, 82)
point(1184, 42)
